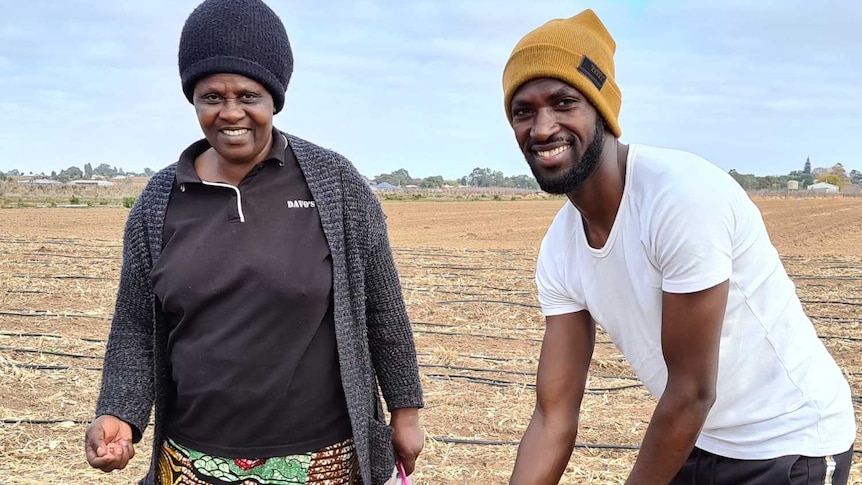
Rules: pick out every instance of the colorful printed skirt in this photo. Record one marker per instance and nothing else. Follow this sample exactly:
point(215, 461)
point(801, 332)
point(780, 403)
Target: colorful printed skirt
point(334, 465)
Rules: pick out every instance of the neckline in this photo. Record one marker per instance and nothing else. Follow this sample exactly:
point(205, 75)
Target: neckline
point(609, 244)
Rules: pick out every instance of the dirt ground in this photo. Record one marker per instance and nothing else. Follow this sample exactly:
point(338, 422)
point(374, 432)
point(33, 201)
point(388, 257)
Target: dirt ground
point(467, 273)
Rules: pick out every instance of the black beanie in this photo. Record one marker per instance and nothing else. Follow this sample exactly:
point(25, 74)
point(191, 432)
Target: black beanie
point(238, 37)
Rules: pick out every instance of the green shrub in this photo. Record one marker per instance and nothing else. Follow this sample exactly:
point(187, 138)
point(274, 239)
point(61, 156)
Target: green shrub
point(74, 200)
point(128, 202)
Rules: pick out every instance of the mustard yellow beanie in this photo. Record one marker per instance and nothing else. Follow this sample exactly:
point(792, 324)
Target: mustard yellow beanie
point(579, 51)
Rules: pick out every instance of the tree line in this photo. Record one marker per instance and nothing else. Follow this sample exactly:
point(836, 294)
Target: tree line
point(479, 177)
point(835, 175)
point(486, 177)
point(88, 172)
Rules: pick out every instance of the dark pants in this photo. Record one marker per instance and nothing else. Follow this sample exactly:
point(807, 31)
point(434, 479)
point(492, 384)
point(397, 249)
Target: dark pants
point(705, 468)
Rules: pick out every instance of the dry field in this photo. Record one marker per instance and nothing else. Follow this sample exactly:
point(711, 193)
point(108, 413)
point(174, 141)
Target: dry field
point(466, 269)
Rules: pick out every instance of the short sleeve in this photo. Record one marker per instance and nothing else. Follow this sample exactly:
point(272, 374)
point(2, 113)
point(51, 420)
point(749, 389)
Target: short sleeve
point(556, 296)
point(692, 236)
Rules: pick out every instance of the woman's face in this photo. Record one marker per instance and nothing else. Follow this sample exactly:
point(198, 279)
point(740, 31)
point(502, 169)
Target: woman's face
point(235, 114)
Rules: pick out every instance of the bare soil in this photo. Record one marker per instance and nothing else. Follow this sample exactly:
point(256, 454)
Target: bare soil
point(467, 272)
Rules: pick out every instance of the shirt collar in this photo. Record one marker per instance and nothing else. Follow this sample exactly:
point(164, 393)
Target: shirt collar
point(186, 164)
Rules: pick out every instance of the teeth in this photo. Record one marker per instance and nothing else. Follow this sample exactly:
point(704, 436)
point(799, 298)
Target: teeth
point(554, 152)
point(242, 131)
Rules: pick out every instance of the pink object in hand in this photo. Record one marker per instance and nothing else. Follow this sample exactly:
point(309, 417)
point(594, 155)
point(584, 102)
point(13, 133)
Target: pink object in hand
point(404, 480)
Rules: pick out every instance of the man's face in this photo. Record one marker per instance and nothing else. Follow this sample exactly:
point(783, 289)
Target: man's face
point(560, 133)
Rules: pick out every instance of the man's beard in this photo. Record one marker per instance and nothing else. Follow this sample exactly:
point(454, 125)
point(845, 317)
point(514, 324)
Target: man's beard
point(573, 178)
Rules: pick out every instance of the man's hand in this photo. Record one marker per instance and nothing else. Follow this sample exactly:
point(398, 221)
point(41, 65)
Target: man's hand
point(409, 439)
point(108, 443)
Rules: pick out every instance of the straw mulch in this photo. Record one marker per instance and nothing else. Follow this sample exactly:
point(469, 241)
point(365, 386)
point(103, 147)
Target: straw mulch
point(477, 330)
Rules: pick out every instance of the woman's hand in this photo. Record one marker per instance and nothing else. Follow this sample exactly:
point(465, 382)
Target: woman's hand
point(108, 443)
point(409, 439)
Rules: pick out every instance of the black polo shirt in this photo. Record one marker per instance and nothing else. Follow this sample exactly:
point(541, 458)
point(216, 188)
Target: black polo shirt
point(245, 280)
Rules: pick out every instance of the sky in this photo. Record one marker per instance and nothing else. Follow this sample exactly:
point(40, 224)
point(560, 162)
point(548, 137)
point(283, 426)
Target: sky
point(756, 86)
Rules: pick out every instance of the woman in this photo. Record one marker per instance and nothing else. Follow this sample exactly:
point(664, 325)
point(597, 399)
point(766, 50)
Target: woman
point(259, 306)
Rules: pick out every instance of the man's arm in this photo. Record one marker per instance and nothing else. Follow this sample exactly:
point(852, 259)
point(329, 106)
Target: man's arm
point(547, 445)
point(691, 332)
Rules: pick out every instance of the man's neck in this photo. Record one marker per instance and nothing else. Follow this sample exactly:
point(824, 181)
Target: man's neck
point(598, 200)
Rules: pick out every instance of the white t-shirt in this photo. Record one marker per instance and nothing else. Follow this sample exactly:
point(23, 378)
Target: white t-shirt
point(684, 226)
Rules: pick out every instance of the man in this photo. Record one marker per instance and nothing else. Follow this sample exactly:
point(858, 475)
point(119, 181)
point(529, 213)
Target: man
point(667, 254)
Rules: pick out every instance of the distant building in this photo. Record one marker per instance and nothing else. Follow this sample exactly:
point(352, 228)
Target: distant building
point(792, 185)
point(40, 182)
point(383, 186)
point(91, 183)
point(824, 187)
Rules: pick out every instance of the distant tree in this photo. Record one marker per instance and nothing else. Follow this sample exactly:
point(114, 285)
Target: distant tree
point(522, 182)
point(498, 179)
point(838, 170)
point(105, 170)
point(53, 174)
point(432, 182)
point(747, 181)
point(88, 171)
point(830, 178)
point(71, 173)
point(855, 177)
point(463, 181)
point(478, 175)
point(807, 168)
point(836, 175)
point(14, 173)
point(398, 178)
point(485, 177)
point(148, 172)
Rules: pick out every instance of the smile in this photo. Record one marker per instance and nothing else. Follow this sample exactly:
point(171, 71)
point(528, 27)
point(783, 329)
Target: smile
point(241, 131)
point(552, 153)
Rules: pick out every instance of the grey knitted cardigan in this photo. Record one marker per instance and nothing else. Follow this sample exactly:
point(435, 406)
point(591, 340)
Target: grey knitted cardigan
point(373, 334)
